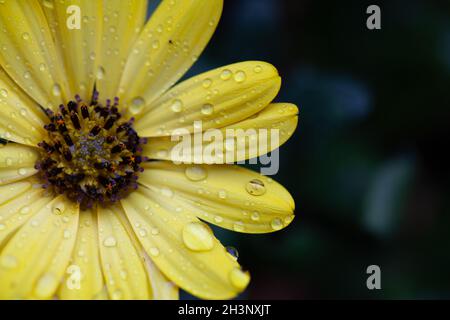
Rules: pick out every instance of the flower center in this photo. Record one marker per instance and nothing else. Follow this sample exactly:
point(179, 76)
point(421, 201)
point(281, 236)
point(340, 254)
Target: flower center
point(91, 154)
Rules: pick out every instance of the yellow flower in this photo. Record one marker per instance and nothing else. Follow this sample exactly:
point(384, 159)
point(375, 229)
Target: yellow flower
point(90, 233)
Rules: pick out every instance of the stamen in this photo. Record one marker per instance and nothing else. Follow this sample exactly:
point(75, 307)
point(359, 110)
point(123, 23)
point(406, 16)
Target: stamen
point(90, 155)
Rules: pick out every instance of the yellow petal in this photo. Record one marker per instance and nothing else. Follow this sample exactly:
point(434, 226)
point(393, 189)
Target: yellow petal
point(84, 278)
point(79, 48)
point(226, 195)
point(206, 273)
point(252, 137)
point(18, 202)
point(28, 53)
point(162, 288)
point(16, 162)
point(122, 23)
point(170, 43)
point(34, 261)
point(21, 119)
point(218, 98)
point(121, 264)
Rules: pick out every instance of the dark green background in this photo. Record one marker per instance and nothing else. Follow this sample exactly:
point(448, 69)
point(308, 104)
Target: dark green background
point(368, 165)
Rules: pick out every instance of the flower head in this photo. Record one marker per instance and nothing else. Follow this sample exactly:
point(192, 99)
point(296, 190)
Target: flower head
point(92, 205)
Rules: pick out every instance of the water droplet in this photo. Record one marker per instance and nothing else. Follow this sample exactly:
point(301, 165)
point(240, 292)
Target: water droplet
point(276, 224)
point(137, 105)
point(46, 285)
point(257, 69)
point(176, 106)
point(25, 36)
point(162, 153)
point(232, 251)
point(195, 173)
point(239, 278)
point(47, 4)
point(226, 74)
point(143, 232)
point(155, 44)
point(25, 210)
point(56, 90)
point(8, 262)
point(207, 109)
point(207, 83)
point(110, 242)
point(67, 234)
point(8, 162)
point(238, 226)
point(222, 194)
point(155, 231)
point(167, 192)
point(27, 74)
point(58, 208)
point(240, 76)
point(22, 171)
point(154, 251)
point(3, 93)
point(218, 219)
point(198, 236)
point(255, 187)
point(117, 294)
point(100, 72)
point(255, 216)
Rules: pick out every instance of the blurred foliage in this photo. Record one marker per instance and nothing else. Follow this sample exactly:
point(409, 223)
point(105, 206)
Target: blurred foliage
point(368, 165)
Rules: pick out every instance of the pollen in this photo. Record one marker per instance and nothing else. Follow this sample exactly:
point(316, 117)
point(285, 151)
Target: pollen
point(91, 154)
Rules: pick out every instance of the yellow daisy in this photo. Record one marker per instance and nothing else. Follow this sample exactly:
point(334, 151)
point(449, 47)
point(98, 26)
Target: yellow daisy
point(83, 213)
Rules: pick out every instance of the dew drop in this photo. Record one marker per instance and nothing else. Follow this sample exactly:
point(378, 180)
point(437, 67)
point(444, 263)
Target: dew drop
point(240, 76)
point(46, 285)
point(137, 105)
point(255, 187)
point(8, 162)
point(56, 90)
point(255, 216)
point(276, 224)
point(218, 219)
point(198, 236)
point(257, 69)
point(207, 109)
point(22, 171)
point(3, 93)
point(222, 194)
point(167, 192)
point(238, 226)
point(25, 36)
point(232, 251)
point(195, 173)
point(176, 106)
point(100, 73)
point(8, 262)
point(226, 74)
point(154, 251)
point(110, 242)
point(117, 294)
point(207, 83)
point(25, 210)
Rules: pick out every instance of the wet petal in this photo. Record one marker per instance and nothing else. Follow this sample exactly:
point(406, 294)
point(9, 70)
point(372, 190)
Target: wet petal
point(34, 261)
point(18, 202)
point(84, 278)
point(250, 138)
point(162, 288)
point(207, 271)
point(170, 43)
point(21, 119)
point(78, 48)
point(226, 195)
point(16, 162)
point(122, 266)
point(28, 53)
point(218, 98)
point(122, 23)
